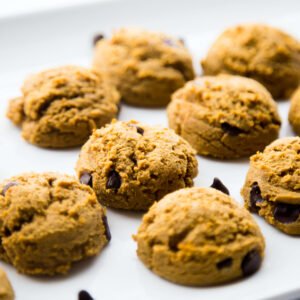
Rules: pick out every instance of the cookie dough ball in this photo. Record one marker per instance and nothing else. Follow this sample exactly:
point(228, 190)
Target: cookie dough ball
point(272, 185)
point(130, 165)
point(294, 113)
point(49, 221)
point(60, 107)
point(146, 67)
point(263, 53)
point(6, 291)
point(224, 116)
point(199, 236)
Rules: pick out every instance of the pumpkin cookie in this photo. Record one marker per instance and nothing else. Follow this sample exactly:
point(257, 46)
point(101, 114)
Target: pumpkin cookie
point(49, 221)
point(224, 116)
point(294, 112)
point(146, 67)
point(199, 236)
point(272, 185)
point(261, 52)
point(60, 107)
point(130, 165)
point(6, 290)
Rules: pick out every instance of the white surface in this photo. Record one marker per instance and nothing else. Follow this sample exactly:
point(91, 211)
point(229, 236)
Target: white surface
point(32, 43)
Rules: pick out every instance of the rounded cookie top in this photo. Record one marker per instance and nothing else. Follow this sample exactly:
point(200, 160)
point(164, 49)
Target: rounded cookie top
point(48, 221)
point(130, 165)
point(147, 67)
point(60, 107)
point(224, 116)
point(271, 188)
point(294, 111)
point(258, 51)
point(6, 290)
point(199, 236)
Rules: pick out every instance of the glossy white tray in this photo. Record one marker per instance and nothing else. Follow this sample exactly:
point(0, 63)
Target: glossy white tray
point(30, 43)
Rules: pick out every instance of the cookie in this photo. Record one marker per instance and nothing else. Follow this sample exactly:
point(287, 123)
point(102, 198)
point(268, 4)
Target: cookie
point(61, 107)
point(6, 290)
point(199, 236)
point(130, 165)
point(261, 52)
point(147, 67)
point(224, 116)
point(49, 221)
point(272, 185)
point(294, 112)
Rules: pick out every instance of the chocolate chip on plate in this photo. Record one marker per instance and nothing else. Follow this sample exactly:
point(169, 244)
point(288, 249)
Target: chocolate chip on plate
point(251, 262)
point(7, 186)
point(140, 130)
point(225, 263)
point(84, 295)
point(255, 197)
point(86, 178)
point(107, 230)
point(230, 129)
point(97, 38)
point(286, 213)
point(218, 185)
point(113, 180)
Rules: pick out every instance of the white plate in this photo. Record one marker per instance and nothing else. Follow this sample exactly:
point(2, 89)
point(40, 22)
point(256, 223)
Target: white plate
point(34, 42)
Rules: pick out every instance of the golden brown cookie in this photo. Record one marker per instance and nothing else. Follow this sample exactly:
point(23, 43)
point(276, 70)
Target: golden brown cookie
point(59, 108)
point(224, 116)
point(48, 222)
point(147, 67)
point(6, 290)
point(199, 236)
point(130, 165)
point(294, 112)
point(272, 185)
point(261, 52)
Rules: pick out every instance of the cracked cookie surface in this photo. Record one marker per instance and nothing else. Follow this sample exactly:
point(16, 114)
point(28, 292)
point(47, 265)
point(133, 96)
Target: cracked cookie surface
point(49, 221)
point(261, 52)
point(146, 67)
point(272, 185)
point(6, 290)
point(199, 236)
point(59, 108)
point(130, 165)
point(224, 116)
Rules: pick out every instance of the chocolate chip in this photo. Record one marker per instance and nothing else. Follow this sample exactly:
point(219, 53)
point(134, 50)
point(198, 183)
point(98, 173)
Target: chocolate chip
point(86, 178)
point(7, 186)
point(97, 38)
point(218, 185)
point(114, 180)
point(140, 130)
point(107, 230)
point(251, 262)
point(286, 213)
point(255, 197)
point(230, 129)
point(225, 263)
point(84, 295)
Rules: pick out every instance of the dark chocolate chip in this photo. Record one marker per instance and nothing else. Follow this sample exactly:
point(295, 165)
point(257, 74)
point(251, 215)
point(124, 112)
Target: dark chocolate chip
point(255, 197)
point(114, 180)
point(230, 129)
point(251, 262)
point(140, 130)
point(97, 38)
point(86, 178)
point(107, 230)
point(286, 213)
point(225, 263)
point(218, 185)
point(84, 295)
point(7, 186)
point(177, 238)
point(7, 232)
